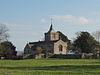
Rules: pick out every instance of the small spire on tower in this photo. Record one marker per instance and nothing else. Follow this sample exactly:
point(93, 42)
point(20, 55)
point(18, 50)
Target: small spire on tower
point(51, 21)
point(51, 27)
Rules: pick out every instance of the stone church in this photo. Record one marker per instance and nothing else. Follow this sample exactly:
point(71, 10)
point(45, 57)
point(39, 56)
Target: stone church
point(52, 44)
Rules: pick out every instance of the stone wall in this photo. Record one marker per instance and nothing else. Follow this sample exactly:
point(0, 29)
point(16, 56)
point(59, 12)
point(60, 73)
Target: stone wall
point(68, 56)
point(64, 47)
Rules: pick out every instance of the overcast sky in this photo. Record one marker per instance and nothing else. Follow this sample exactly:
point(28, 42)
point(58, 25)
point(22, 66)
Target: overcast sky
point(28, 20)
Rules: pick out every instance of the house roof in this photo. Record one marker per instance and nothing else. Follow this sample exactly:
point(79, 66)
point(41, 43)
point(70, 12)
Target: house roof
point(53, 41)
point(34, 44)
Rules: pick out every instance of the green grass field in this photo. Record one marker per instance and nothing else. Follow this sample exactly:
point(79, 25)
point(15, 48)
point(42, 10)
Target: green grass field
point(50, 67)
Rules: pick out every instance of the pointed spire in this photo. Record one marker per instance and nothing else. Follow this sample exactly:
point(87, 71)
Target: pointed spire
point(51, 21)
point(51, 27)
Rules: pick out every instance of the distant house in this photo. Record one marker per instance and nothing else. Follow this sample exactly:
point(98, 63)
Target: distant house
point(71, 52)
point(53, 44)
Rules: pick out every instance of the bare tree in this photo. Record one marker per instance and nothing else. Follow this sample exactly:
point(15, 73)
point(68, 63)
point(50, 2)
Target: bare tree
point(96, 35)
point(3, 32)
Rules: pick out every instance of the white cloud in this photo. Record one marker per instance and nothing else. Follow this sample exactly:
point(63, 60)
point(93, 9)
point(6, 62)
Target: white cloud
point(71, 19)
point(43, 20)
point(76, 20)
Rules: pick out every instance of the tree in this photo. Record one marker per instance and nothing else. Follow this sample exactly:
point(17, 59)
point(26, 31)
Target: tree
point(86, 43)
point(3, 33)
point(7, 49)
point(96, 35)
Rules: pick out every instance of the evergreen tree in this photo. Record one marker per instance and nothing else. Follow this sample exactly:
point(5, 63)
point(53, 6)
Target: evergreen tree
point(86, 43)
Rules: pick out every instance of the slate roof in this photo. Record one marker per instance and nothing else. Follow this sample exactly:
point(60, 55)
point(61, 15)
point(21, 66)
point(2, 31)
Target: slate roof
point(53, 41)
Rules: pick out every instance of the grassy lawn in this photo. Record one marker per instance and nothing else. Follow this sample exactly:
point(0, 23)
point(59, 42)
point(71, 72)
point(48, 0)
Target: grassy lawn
point(50, 67)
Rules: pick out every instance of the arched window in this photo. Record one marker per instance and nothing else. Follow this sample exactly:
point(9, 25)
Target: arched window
point(60, 48)
point(54, 36)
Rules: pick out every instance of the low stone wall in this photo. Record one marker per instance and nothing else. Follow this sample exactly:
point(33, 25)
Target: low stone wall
point(68, 56)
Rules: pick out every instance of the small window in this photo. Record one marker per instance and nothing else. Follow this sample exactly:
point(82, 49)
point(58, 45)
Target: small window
point(60, 48)
point(54, 36)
